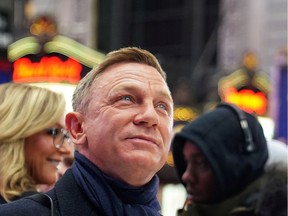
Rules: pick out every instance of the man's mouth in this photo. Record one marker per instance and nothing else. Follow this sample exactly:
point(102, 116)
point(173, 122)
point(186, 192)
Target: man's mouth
point(144, 138)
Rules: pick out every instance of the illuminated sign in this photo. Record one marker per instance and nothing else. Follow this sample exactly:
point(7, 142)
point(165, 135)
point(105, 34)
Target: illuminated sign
point(246, 87)
point(49, 68)
point(248, 100)
point(59, 59)
point(184, 114)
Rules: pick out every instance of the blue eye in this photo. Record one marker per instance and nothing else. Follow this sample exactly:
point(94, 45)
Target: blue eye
point(162, 106)
point(126, 98)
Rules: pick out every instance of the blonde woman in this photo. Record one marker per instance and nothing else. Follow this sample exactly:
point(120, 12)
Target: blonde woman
point(32, 139)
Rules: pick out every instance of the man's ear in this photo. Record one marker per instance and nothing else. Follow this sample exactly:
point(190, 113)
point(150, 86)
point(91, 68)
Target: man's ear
point(74, 124)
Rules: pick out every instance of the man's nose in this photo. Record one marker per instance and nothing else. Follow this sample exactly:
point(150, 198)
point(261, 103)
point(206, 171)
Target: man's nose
point(147, 115)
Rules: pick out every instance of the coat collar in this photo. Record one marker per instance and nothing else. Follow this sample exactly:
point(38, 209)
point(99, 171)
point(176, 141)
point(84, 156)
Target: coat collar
point(69, 198)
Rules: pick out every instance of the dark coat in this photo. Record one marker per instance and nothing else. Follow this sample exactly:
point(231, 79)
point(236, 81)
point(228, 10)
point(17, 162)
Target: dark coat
point(242, 204)
point(266, 196)
point(25, 194)
point(68, 200)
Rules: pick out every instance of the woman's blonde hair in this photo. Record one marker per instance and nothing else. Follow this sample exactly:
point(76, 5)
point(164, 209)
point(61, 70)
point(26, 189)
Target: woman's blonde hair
point(24, 111)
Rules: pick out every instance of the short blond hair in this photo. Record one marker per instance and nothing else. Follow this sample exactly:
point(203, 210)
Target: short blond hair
point(24, 111)
point(81, 97)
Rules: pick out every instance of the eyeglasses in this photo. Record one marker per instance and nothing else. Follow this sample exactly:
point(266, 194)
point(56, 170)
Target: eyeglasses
point(59, 135)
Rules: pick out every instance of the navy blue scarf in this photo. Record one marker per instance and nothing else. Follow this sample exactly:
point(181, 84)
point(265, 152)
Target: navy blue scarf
point(112, 197)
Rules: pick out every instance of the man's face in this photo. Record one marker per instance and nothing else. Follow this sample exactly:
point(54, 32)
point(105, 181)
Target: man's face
point(128, 123)
point(198, 177)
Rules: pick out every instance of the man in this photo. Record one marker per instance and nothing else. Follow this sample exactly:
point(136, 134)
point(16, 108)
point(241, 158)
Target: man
point(122, 127)
point(220, 158)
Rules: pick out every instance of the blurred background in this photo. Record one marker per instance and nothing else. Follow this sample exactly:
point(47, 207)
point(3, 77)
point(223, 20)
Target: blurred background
point(211, 50)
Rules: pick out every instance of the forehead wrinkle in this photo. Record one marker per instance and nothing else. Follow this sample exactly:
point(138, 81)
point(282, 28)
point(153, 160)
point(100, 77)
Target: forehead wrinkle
point(130, 72)
point(117, 78)
point(132, 85)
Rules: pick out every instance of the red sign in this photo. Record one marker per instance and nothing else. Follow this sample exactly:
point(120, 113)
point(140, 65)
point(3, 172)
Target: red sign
point(248, 100)
point(48, 69)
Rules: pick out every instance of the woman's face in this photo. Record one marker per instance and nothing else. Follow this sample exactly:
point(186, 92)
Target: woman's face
point(42, 157)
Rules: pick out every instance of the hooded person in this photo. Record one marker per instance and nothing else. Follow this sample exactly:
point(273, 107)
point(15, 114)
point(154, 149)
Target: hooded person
point(220, 158)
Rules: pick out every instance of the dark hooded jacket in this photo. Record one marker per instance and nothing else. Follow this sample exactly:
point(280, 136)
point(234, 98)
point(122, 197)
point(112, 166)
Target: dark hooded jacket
point(220, 137)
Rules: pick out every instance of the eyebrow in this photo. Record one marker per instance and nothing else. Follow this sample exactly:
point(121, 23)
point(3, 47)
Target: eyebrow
point(166, 95)
point(133, 86)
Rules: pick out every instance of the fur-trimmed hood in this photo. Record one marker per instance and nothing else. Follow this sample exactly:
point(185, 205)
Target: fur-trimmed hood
point(273, 191)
